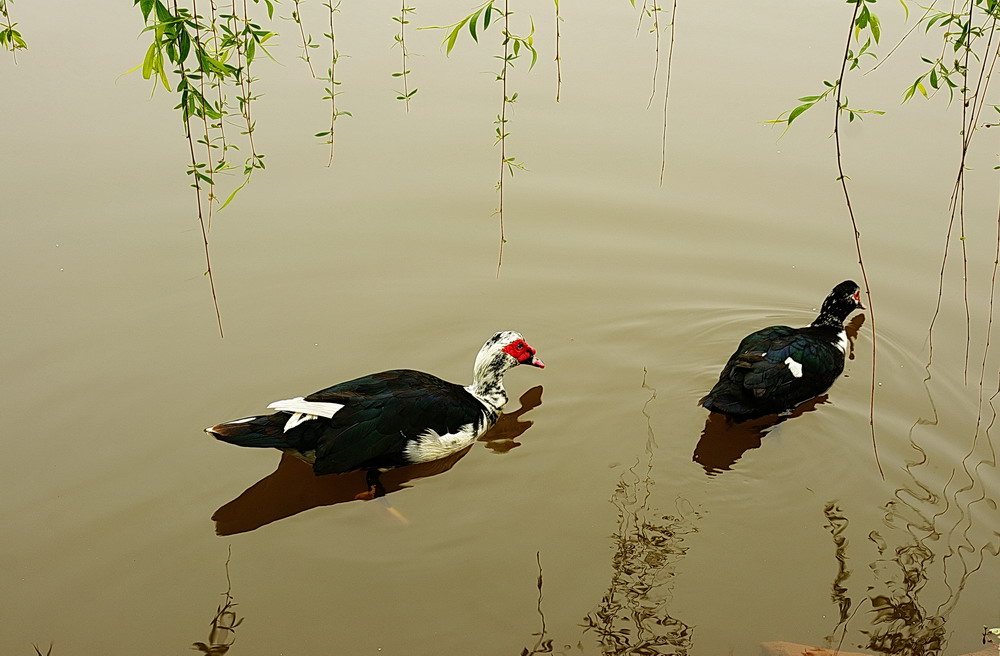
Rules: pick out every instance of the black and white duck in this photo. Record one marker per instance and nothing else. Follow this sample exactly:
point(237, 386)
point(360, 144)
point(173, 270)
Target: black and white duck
point(777, 368)
point(388, 419)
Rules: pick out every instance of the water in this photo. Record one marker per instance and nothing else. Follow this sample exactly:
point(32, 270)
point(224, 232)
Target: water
point(650, 526)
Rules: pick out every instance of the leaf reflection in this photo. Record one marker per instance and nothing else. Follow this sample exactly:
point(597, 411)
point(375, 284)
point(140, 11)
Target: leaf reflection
point(632, 617)
point(223, 632)
point(293, 488)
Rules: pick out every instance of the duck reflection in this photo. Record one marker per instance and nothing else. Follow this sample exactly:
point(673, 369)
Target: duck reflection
point(725, 440)
point(293, 488)
point(503, 436)
point(852, 328)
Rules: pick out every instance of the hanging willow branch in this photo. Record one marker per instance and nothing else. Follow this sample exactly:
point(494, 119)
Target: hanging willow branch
point(558, 56)
point(862, 19)
point(666, 90)
point(307, 42)
point(514, 46)
point(10, 39)
point(206, 56)
point(864, 23)
point(406, 94)
point(332, 83)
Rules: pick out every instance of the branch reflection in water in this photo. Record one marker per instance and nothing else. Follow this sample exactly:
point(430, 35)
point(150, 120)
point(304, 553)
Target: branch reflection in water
point(900, 624)
point(945, 516)
point(632, 617)
point(724, 440)
point(902, 620)
point(939, 528)
point(293, 488)
point(223, 632)
point(543, 644)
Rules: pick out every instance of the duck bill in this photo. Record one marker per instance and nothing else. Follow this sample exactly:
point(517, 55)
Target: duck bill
point(536, 362)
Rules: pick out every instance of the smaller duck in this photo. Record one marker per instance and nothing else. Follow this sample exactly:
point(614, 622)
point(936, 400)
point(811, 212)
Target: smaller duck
point(777, 368)
point(389, 419)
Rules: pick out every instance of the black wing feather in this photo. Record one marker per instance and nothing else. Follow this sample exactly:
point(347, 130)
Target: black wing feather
point(382, 412)
point(756, 380)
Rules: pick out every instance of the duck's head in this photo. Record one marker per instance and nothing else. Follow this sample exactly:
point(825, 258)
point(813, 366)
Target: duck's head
point(501, 352)
point(507, 349)
point(844, 299)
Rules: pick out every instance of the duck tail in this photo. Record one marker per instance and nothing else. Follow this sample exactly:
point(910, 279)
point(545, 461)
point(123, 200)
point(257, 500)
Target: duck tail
point(726, 398)
point(265, 431)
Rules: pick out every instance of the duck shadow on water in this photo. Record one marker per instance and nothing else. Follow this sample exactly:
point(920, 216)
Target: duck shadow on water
point(292, 488)
point(725, 440)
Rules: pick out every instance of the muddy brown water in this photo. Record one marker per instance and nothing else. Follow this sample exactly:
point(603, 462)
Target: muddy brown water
point(607, 514)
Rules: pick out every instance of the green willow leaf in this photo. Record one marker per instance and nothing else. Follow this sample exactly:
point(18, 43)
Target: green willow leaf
point(146, 6)
point(149, 62)
point(453, 36)
point(876, 27)
point(795, 113)
point(162, 13)
point(472, 25)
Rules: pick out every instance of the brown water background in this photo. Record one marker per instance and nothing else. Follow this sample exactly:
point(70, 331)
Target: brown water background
point(633, 293)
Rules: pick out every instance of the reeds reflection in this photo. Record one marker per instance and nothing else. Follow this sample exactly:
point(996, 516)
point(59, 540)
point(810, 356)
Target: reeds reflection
point(293, 488)
point(632, 617)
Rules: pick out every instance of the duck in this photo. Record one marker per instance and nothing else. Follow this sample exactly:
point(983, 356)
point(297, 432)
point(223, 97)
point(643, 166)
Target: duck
point(777, 368)
point(389, 419)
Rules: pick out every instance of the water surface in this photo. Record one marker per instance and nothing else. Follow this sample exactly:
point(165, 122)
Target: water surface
point(651, 526)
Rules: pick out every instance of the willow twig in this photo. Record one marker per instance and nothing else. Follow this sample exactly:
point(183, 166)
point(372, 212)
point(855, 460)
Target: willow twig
point(854, 223)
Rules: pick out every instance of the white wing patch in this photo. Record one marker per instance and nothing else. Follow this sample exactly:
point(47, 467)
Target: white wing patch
point(794, 367)
point(299, 404)
point(296, 419)
point(302, 410)
point(431, 446)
